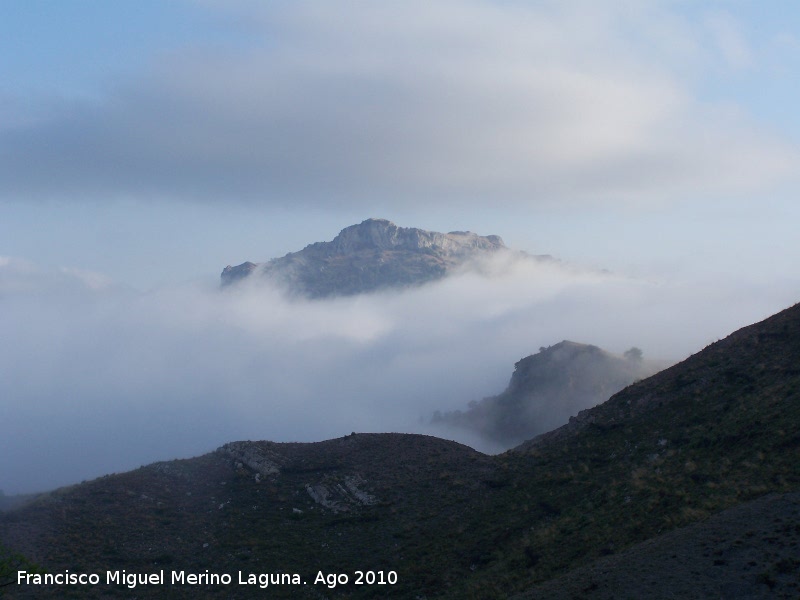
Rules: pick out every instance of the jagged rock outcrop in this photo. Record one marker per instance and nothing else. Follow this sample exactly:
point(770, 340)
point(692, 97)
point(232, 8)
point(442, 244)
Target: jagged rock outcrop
point(338, 492)
point(547, 389)
point(372, 255)
point(254, 456)
point(341, 495)
point(233, 274)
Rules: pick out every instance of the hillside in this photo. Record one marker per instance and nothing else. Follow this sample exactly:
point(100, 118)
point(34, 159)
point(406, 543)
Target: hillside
point(375, 254)
point(365, 501)
point(546, 389)
point(718, 431)
point(749, 551)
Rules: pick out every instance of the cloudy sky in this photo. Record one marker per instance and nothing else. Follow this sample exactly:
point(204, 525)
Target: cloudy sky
point(145, 145)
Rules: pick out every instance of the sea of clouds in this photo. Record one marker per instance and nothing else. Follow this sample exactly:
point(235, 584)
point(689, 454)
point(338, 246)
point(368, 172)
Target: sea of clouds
point(96, 377)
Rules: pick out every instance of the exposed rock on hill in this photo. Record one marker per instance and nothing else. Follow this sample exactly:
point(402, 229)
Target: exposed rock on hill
point(546, 389)
point(361, 502)
point(372, 255)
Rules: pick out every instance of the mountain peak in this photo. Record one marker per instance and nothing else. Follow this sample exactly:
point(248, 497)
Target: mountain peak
point(382, 234)
point(372, 255)
point(545, 390)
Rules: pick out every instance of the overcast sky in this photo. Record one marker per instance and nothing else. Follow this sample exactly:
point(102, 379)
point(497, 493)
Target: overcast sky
point(146, 145)
point(151, 140)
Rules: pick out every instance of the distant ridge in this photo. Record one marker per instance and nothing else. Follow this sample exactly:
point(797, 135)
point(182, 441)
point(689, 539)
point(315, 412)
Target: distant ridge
point(760, 362)
point(546, 389)
point(375, 254)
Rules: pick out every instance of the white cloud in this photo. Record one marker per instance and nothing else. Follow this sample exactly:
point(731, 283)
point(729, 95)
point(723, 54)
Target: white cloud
point(101, 381)
point(347, 103)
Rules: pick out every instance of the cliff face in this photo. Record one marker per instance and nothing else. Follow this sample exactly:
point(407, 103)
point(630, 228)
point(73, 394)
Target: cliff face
point(372, 255)
point(546, 389)
point(233, 274)
point(383, 235)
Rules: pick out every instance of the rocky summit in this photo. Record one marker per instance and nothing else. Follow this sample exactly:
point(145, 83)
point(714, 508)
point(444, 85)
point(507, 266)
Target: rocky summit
point(546, 389)
point(373, 255)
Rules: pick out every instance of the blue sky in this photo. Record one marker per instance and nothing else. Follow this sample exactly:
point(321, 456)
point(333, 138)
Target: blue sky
point(146, 145)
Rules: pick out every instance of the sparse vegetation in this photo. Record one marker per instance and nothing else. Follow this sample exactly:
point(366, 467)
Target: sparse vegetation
point(10, 563)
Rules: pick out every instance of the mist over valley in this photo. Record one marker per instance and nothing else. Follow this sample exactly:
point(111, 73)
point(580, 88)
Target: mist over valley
point(98, 377)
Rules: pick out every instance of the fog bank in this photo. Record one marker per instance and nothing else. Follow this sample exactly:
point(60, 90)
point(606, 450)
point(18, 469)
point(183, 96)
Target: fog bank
point(98, 378)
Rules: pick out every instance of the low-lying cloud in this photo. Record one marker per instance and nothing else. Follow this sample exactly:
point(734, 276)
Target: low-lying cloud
point(96, 378)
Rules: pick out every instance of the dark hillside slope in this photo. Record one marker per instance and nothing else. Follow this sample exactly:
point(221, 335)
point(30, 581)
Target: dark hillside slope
point(755, 367)
point(366, 501)
point(717, 431)
point(750, 551)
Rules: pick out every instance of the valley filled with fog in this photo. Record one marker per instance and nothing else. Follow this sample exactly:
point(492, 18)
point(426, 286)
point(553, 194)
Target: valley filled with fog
point(97, 377)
